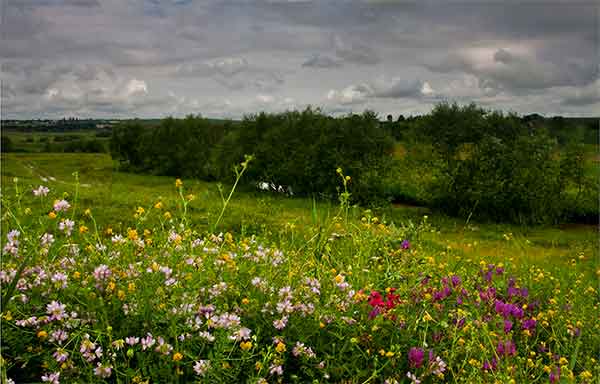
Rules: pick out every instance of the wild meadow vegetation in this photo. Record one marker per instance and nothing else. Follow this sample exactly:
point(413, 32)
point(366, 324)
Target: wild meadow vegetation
point(113, 276)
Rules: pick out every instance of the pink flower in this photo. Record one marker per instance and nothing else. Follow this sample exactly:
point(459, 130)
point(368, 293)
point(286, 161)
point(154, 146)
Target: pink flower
point(61, 205)
point(51, 378)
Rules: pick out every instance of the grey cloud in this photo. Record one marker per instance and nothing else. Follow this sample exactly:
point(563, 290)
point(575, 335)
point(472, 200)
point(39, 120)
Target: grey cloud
point(583, 96)
point(400, 88)
point(518, 55)
point(355, 52)
point(321, 61)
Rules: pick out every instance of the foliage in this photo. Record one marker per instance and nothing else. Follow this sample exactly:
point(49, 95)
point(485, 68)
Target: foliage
point(495, 168)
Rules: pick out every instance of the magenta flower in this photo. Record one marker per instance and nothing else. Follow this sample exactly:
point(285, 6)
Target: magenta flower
point(415, 357)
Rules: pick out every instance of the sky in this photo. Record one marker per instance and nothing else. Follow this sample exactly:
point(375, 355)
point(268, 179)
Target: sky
point(225, 59)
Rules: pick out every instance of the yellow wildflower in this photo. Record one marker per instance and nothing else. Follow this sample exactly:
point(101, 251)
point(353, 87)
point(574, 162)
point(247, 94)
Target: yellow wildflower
point(245, 345)
point(178, 183)
point(42, 334)
point(280, 348)
point(83, 229)
point(52, 215)
point(177, 356)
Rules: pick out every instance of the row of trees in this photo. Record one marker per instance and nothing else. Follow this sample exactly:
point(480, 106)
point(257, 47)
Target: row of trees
point(487, 164)
point(294, 149)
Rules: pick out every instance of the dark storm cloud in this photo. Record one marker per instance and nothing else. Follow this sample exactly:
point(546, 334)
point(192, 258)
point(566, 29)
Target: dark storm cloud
point(152, 57)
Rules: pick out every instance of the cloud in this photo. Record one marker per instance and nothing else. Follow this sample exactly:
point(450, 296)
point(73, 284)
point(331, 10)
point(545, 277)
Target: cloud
point(321, 61)
point(585, 96)
point(355, 52)
point(352, 94)
point(519, 68)
point(522, 56)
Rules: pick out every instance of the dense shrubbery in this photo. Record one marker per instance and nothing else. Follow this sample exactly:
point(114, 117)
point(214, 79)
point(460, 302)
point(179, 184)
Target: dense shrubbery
point(495, 168)
point(300, 150)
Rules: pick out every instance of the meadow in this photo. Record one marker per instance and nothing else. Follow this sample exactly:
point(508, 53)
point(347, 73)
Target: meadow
point(117, 277)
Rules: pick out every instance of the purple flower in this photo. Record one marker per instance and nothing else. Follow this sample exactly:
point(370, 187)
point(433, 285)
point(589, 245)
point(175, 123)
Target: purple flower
point(507, 326)
point(405, 244)
point(455, 281)
point(529, 324)
point(415, 357)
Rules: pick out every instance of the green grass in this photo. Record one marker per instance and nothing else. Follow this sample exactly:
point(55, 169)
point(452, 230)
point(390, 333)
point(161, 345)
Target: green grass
point(114, 194)
point(125, 289)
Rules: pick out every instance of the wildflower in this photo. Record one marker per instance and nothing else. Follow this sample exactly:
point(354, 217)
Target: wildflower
point(413, 378)
point(177, 356)
point(52, 215)
point(118, 344)
point(42, 334)
point(245, 345)
point(415, 357)
point(46, 240)
point(132, 340)
point(178, 183)
point(60, 355)
point(280, 348)
point(201, 367)
point(103, 370)
point(275, 369)
point(158, 205)
point(61, 205)
point(66, 226)
point(280, 323)
point(102, 272)
point(56, 310)
point(58, 336)
point(147, 341)
point(52, 378)
point(41, 191)
point(83, 229)
point(405, 244)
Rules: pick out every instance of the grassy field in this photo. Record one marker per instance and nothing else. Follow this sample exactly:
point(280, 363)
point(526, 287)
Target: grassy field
point(294, 290)
point(115, 194)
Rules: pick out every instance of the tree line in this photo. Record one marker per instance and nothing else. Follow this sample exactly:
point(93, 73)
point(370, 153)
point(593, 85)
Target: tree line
point(486, 164)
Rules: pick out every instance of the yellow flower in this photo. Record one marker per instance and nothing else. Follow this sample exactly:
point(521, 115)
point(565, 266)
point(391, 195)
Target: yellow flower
point(131, 287)
point(190, 197)
point(28, 211)
point(585, 375)
point(109, 231)
point(83, 229)
point(42, 334)
point(121, 294)
point(8, 316)
point(178, 183)
point(280, 348)
point(563, 361)
point(389, 354)
point(246, 345)
point(132, 234)
point(158, 205)
point(245, 301)
point(258, 365)
point(427, 317)
point(52, 215)
point(177, 356)
point(87, 212)
point(76, 275)
point(140, 210)
point(167, 215)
